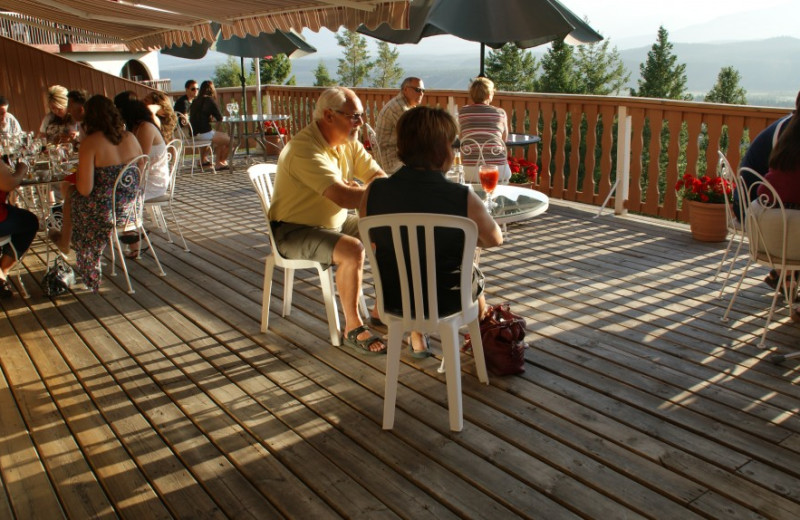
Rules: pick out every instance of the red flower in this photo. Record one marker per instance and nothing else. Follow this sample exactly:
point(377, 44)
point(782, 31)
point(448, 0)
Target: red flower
point(715, 190)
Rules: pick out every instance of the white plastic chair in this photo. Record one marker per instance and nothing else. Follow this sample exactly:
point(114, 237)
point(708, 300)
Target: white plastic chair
point(482, 144)
point(155, 205)
point(735, 228)
point(260, 177)
point(413, 297)
point(131, 220)
point(191, 144)
point(772, 233)
point(6, 240)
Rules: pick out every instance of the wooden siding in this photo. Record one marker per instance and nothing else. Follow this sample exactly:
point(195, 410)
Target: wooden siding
point(28, 71)
point(636, 402)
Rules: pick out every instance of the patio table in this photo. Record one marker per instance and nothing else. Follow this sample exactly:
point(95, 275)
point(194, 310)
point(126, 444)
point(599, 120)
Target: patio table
point(521, 140)
point(514, 203)
point(238, 130)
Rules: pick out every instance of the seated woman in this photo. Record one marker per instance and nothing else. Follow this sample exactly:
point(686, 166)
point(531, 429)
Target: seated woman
point(204, 109)
point(57, 125)
point(19, 223)
point(166, 120)
point(482, 117)
point(140, 120)
point(105, 150)
point(424, 139)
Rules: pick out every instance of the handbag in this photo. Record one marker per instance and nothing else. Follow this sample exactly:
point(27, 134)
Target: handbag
point(58, 278)
point(503, 338)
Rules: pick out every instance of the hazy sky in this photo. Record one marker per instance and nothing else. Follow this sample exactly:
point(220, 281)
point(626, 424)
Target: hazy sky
point(635, 23)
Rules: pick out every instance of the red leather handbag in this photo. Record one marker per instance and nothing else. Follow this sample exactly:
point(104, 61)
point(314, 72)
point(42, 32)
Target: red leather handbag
point(503, 337)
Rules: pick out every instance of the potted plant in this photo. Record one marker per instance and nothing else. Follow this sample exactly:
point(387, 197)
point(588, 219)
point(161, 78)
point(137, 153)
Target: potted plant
point(706, 197)
point(523, 172)
point(274, 134)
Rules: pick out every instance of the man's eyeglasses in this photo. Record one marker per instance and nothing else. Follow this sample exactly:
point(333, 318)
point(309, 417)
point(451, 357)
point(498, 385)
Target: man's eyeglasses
point(193, 88)
point(418, 90)
point(355, 117)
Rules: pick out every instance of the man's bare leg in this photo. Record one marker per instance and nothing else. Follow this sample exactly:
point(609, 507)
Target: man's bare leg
point(348, 256)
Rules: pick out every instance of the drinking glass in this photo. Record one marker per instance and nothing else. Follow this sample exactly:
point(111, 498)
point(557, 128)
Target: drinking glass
point(235, 107)
point(489, 175)
point(229, 108)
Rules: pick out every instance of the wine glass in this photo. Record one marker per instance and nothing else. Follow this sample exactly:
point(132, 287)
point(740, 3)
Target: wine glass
point(229, 108)
point(235, 108)
point(489, 175)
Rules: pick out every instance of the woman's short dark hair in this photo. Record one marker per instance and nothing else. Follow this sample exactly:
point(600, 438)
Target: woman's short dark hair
point(425, 137)
point(102, 116)
point(134, 113)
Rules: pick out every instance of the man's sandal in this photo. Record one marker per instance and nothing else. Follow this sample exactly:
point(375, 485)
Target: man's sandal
point(362, 345)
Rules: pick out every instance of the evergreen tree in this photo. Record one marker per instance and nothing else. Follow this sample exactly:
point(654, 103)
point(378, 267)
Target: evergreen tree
point(512, 69)
point(600, 70)
point(388, 73)
point(275, 69)
point(229, 74)
point(727, 88)
point(322, 77)
point(662, 77)
point(559, 72)
point(355, 67)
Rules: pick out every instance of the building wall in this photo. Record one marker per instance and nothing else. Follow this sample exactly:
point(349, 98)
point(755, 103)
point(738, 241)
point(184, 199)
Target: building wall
point(113, 62)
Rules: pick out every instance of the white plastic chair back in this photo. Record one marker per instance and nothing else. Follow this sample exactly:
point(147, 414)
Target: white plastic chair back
point(133, 174)
point(414, 298)
point(190, 143)
point(772, 234)
point(260, 177)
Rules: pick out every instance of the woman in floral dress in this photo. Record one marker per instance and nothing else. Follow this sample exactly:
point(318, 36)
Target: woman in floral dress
point(107, 148)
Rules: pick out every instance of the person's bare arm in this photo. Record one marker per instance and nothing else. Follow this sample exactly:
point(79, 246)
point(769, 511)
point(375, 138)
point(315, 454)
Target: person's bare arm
point(489, 234)
point(345, 195)
point(11, 177)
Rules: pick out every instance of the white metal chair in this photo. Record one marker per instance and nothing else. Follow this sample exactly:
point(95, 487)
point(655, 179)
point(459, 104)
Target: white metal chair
point(155, 205)
point(132, 174)
point(735, 228)
point(414, 296)
point(373, 141)
point(260, 177)
point(5, 240)
point(480, 146)
point(772, 233)
point(193, 145)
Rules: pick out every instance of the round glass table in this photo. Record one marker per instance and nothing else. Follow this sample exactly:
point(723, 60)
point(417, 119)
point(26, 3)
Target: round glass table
point(514, 203)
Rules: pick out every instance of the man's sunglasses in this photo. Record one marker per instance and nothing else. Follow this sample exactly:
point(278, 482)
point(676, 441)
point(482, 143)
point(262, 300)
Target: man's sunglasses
point(418, 90)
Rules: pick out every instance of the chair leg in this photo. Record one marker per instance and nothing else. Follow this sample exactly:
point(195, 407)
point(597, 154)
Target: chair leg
point(393, 348)
point(122, 261)
point(152, 251)
point(269, 270)
point(762, 343)
point(724, 256)
point(477, 350)
point(178, 225)
point(331, 309)
point(736, 291)
point(288, 287)
point(730, 267)
point(452, 363)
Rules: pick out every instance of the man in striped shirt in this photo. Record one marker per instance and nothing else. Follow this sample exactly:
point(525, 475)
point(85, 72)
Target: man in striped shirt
point(411, 92)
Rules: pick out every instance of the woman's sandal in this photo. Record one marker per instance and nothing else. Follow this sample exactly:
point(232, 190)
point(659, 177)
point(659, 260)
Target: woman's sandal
point(421, 354)
point(133, 255)
point(795, 315)
point(362, 345)
point(772, 279)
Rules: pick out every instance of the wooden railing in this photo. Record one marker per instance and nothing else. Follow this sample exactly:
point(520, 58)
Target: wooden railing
point(584, 148)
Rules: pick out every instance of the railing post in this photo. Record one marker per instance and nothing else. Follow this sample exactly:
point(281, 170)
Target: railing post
point(623, 160)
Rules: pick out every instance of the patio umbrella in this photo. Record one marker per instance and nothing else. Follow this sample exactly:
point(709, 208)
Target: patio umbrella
point(265, 44)
point(526, 23)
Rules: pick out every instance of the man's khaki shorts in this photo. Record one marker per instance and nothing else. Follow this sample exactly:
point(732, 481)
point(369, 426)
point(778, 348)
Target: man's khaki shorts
point(298, 241)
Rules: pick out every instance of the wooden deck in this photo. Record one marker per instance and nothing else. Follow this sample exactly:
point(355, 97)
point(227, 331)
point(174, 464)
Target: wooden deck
point(636, 400)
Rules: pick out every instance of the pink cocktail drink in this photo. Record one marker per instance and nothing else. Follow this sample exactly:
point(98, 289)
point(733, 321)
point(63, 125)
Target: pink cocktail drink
point(489, 176)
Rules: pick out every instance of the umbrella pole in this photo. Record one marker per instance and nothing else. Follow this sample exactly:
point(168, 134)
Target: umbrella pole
point(483, 53)
point(244, 106)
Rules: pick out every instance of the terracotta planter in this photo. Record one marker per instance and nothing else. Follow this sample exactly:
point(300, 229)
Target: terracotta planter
point(707, 221)
point(274, 144)
point(528, 185)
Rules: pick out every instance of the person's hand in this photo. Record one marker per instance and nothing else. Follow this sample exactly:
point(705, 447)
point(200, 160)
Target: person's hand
point(73, 134)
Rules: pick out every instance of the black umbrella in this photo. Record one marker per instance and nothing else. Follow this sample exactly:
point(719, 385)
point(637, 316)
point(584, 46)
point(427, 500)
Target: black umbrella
point(265, 44)
point(526, 23)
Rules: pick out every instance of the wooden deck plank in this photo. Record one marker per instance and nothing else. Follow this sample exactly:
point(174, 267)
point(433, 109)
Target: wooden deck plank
point(637, 400)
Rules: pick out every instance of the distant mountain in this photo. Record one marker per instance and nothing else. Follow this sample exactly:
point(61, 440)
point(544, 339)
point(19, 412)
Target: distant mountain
point(770, 68)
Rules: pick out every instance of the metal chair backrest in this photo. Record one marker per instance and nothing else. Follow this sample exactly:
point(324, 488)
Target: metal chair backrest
point(132, 177)
point(482, 144)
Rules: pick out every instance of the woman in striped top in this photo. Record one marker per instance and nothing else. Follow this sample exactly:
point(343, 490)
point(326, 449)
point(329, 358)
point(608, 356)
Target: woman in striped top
point(482, 117)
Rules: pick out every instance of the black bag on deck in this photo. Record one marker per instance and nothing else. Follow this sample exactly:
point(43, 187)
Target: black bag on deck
point(58, 278)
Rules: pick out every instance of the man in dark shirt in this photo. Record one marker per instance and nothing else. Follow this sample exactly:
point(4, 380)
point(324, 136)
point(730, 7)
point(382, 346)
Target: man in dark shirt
point(185, 101)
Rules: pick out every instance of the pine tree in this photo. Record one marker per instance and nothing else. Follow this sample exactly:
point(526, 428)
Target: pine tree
point(275, 69)
point(727, 88)
point(229, 74)
point(662, 77)
point(600, 70)
point(387, 72)
point(355, 67)
point(559, 73)
point(322, 77)
point(512, 69)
